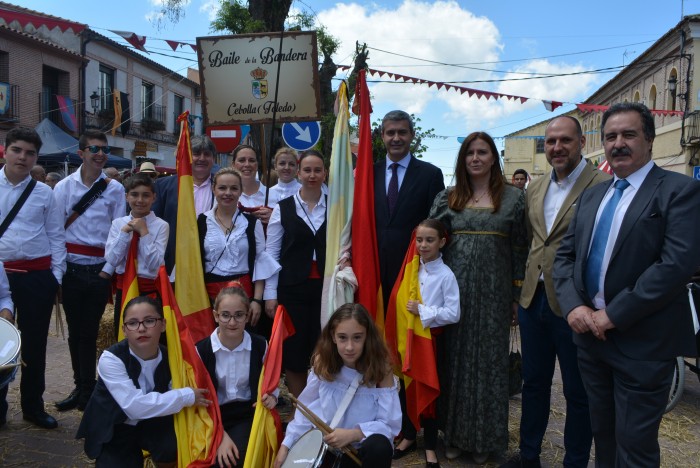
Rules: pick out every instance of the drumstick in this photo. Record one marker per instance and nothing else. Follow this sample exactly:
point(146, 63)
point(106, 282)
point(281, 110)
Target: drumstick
point(325, 429)
point(14, 270)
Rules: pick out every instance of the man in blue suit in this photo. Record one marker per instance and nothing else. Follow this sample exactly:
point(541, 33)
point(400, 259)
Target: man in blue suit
point(620, 277)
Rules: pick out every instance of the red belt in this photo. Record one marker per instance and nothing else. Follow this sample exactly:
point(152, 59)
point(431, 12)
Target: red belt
point(88, 250)
point(314, 273)
point(34, 264)
point(244, 282)
point(146, 285)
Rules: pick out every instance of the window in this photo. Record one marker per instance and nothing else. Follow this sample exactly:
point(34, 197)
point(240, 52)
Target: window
point(147, 91)
point(636, 96)
point(652, 97)
point(539, 145)
point(4, 67)
point(106, 88)
point(671, 101)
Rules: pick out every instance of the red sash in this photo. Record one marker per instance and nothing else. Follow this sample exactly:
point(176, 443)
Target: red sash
point(85, 250)
point(146, 285)
point(34, 264)
point(244, 282)
point(314, 273)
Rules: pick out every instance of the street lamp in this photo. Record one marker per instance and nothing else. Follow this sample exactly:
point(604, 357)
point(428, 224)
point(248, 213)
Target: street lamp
point(673, 87)
point(95, 101)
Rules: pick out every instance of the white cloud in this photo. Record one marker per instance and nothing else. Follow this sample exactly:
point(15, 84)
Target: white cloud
point(211, 8)
point(444, 32)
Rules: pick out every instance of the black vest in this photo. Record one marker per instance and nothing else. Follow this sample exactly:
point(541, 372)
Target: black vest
point(102, 413)
point(298, 245)
point(249, 232)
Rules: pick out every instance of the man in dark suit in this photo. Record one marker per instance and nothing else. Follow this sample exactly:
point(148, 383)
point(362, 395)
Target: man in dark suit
point(165, 206)
point(404, 190)
point(545, 335)
point(620, 277)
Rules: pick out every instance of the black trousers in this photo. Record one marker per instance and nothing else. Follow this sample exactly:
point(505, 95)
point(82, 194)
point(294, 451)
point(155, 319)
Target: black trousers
point(34, 294)
point(156, 435)
point(85, 295)
point(375, 451)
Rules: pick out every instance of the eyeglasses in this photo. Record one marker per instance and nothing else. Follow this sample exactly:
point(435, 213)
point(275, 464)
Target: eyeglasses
point(225, 317)
point(150, 322)
point(94, 149)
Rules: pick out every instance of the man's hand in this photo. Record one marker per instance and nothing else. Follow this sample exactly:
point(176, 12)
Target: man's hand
point(581, 321)
point(227, 453)
point(603, 322)
point(255, 310)
point(7, 315)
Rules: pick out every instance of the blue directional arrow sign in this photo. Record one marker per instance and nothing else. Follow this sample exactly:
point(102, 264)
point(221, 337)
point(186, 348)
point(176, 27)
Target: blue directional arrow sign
point(301, 135)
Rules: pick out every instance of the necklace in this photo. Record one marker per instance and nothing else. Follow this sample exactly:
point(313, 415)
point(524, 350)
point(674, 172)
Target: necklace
point(476, 199)
point(226, 228)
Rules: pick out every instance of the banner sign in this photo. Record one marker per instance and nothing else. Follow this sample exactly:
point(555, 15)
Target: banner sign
point(238, 75)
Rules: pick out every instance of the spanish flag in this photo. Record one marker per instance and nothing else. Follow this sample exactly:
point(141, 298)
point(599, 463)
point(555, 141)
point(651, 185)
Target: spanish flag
point(266, 432)
point(130, 288)
point(365, 258)
point(198, 429)
point(190, 291)
point(117, 97)
point(412, 345)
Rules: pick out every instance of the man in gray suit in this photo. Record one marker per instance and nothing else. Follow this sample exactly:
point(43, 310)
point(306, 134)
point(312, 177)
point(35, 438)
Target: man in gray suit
point(545, 335)
point(620, 277)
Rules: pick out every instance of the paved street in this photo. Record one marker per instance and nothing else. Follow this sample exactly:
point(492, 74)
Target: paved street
point(22, 444)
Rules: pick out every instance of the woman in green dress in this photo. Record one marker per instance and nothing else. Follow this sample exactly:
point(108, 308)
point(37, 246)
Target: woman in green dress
point(485, 219)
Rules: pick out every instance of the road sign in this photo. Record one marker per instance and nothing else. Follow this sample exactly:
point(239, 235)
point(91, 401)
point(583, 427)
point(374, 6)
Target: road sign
point(225, 137)
point(696, 172)
point(301, 135)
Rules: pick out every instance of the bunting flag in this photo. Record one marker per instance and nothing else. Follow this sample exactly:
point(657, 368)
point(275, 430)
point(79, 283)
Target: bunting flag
point(117, 98)
point(126, 113)
point(365, 258)
point(190, 291)
point(38, 21)
point(412, 345)
point(132, 38)
point(130, 288)
point(266, 432)
point(339, 221)
point(552, 105)
point(605, 167)
point(198, 429)
point(65, 105)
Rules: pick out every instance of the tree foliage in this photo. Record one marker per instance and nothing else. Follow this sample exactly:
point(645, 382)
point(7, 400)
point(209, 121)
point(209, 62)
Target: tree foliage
point(417, 148)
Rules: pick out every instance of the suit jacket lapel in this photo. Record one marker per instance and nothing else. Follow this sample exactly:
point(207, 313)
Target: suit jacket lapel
point(536, 203)
point(381, 206)
point(580, 185)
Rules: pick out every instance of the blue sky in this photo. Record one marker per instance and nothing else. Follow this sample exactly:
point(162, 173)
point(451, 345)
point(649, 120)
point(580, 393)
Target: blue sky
point(503, 39)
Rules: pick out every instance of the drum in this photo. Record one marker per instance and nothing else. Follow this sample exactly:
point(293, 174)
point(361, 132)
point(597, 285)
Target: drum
point(311, 452)
point(10, 343)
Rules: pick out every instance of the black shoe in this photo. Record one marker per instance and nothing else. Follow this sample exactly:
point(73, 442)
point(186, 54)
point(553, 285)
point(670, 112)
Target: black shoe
point(42, 419)
point(70, 402)
point(517, 461)
point(398, 453)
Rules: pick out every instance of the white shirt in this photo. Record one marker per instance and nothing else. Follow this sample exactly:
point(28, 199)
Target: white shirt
point(203, 197)
point(5, 295)
point(372, 410)
point(92, 227)
point(284, 189)
point(440, 294)
point(635, 179)
point(228, 255)
point(275, 233)
point(140, 403)
point(37, 230)
point(233, 369)
point(151, 253)
point(400, 171)
point(258, 198)
point(557, 191)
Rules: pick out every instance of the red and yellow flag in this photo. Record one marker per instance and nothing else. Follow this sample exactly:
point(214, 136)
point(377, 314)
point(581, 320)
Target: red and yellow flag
point(190, 291)
point(365, 259)
point(412, 345)
point(198, 429)
point(266, 432)
point(130, 288)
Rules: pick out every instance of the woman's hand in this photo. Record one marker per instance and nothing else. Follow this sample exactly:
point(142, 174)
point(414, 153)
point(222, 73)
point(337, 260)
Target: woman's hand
point(263, 214)
point(514, 320)
point(200, 397)
point(340, 438)
point(281, 456)
point(255, 310)
point(269, 401)
point(271, 307)
point(227, 453)
point(412, 307)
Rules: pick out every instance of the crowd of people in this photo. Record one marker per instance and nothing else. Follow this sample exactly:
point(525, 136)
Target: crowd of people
point(591, 267)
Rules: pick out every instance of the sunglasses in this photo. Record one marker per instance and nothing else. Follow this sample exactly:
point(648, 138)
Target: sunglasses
point(94, 149)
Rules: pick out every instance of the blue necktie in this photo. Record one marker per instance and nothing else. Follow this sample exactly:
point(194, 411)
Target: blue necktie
point(600, 239)
point(392, 194)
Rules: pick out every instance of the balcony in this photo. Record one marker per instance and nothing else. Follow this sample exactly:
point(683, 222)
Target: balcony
point(692, 128)
point(11, 112)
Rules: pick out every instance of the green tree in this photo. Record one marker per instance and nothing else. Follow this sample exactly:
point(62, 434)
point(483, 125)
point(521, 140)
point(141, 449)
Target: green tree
point(417, 148)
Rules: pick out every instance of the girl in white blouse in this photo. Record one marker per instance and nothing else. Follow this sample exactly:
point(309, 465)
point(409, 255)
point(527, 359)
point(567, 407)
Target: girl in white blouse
point(351, 349)
point(440, 306)
point(245, 160)
point(285, 164)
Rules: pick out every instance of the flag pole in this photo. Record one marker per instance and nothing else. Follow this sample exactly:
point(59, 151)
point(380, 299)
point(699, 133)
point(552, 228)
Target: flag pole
point(274, 121)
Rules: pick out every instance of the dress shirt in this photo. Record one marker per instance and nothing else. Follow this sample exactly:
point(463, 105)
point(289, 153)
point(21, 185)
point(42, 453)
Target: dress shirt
point(275, 233)
point(400, 170)
point(635, 179)
point(228, 255)
point(203, 200)
point(151, 254)
point(233, 369)
point(372, 410)
point(284, 189)
point(92, 227)
point(258, 198)
point(440, 294)
point(37, 230)
point(140, 403)
point(5, 295)
point(557, 191)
